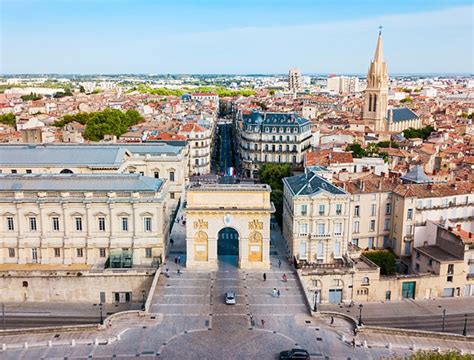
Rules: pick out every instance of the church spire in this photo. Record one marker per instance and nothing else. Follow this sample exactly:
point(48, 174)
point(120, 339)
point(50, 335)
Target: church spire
point(378, 57)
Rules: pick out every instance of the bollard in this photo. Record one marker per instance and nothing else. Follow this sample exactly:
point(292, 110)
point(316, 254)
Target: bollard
point(73, 342)
point(50, 343)
point(365, 343)
point(96, 341)
point(26, 345)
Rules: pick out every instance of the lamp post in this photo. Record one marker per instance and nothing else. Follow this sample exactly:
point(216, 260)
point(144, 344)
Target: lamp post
point(101, 322)
point(360, 314)
point(143, 296)
point(464, 331)
point(444, 318)
point(315, 307)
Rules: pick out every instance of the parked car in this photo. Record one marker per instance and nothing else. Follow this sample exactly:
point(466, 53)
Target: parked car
point(230, 298)
point(295, 354)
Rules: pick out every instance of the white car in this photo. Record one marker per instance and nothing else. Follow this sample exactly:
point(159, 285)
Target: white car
point(230, 298)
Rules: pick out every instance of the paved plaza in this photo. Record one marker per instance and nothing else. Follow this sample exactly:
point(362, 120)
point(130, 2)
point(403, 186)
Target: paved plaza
point(190, 320)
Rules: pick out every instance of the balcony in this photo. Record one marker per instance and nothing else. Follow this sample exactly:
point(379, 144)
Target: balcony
point(320, 236)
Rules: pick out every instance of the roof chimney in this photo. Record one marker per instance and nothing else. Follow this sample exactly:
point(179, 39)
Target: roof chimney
point(458, 227)
point(380, 184)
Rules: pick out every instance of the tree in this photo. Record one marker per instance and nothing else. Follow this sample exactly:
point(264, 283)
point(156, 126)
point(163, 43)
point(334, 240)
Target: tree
point(423, 133)
point(8, 119)
point(273, 174)
point(357, 150)
point(82, 89)
point(388, 144)
point(384, 259)
point(31, 96)
point(110, 122)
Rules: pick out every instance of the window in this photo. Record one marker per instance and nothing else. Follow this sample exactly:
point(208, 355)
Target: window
point(430, 262)
point(101, 252)
point(373, 209)
point(365, 280)
point(356, 227)
point(321, 209)
point(171, 175)
point(337, 249)
point(33, 226)
point(101, 224)
point(303, 229)
point(355, 242)
point(79, 252)
point(417, 254)
point(372, 225)
point(10, 224)
point(450, 269)
point(417, 267)
point(386, 224)
point(78, 224)
point(147, 224)
point(171, 195)
point(338, 209)
point(304, 210)
point(371, 241)
point(337, 228)
point(388, 209)
point(321, 229)
point(57, 252)
point(11, 252)
point(320, 251)
point(357, 210)
point(410, 214)
point(14, 171)
point(388, 295)
point(148, 252)
point(449, 278)
point(156, 174)
point(55, 223)
point(28, 171)
point(125, 224)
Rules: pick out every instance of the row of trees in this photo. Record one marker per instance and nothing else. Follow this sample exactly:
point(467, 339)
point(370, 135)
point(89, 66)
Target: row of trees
point(422, 133)
point(101, 123)
point(372, 150)
point(221, 91)
point(31, 96)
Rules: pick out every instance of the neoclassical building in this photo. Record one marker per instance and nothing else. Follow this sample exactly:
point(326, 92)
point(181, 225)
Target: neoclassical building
point(157, 160)
point(199, 142)
point(271, 138)
point(376, 113)
point(83, 219)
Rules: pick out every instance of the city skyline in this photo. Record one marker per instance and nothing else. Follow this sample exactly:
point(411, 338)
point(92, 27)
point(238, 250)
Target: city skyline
point(113, 37)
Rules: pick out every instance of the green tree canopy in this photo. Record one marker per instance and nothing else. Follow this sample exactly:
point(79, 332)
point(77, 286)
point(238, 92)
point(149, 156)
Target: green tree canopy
point(8, 119)
point(110, 122)
point(388, 144)
point(272, 174)
point(384, 259)
point(31, 96)
point(422, 133)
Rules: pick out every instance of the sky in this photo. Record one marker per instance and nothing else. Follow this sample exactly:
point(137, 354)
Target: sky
point(234, 36)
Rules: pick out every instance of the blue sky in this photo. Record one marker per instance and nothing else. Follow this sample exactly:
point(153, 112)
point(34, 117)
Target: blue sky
point(233, 36)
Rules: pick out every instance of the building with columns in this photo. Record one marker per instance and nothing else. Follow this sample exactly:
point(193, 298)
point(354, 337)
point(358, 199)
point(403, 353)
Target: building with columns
point(63, 219)
point(376, 114)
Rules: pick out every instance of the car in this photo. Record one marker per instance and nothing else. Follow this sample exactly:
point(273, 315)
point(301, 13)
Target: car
point(230, 298)
point(295, 354)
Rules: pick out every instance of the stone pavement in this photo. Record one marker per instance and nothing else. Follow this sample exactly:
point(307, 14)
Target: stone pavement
point(191, 321)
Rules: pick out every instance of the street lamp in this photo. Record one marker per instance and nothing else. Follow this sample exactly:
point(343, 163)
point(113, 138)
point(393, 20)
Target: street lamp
point(143, 296)
point(444, 318)
point(101, 322)
point(464, 331)
point(360, 314)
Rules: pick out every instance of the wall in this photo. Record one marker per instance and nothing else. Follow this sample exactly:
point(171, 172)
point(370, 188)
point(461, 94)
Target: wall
point(73, 286)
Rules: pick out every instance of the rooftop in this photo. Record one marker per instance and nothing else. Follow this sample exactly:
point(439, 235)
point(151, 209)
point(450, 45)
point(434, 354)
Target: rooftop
point(79, 182)
point(274, 118)
point(437, 253)
point(401, 114)
point(310, 184)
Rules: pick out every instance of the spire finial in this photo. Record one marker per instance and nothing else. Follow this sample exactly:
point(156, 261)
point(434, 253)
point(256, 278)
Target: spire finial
point(380, 29)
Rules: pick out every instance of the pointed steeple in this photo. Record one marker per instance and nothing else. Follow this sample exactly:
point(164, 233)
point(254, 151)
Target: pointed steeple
point(378, 57)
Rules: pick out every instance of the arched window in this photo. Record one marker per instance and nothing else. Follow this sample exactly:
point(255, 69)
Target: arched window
point(370, 102)
point(66, 171)
point(365, 280)
point(375, 103)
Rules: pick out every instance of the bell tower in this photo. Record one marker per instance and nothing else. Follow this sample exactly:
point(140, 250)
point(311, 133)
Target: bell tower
point(375, 96)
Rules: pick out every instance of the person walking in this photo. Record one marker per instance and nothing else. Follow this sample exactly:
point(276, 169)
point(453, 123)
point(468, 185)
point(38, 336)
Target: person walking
point(171, 242)
point(179, 259)
point(167, 273)
point(278, 293)
point(353, 343)
point(332, 320)
point(175, 260)
point(285, 279)
point(263, 323)
point(264, 277)
point(279, 263)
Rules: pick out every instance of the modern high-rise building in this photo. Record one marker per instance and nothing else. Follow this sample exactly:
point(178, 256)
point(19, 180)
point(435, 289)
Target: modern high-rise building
point(343, 84)
point(294, 79)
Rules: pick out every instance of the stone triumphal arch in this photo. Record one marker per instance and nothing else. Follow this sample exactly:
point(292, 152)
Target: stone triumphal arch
point(226, 213)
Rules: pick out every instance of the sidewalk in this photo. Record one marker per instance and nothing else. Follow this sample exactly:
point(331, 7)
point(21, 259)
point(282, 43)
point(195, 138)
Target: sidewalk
point(406, 308)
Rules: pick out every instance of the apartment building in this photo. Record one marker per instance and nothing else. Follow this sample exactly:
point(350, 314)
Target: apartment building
point(64, 219)
point(294, 80)
point(199, 142)
point(158, 160)
point(271, 138)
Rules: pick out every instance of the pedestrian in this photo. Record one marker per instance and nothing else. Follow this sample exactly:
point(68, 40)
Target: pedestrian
point(167, 272)
point(175, 260)
point(179, 259)
point(274, 292)
point(179, 272)
point(171, 242)
point(264, 277)
point(285, 279)
point(332, 320)
point(353, 343)
point(109, 323)
point(278, 292)
point(251, 319)
point(279, 263)
point(263, 323)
